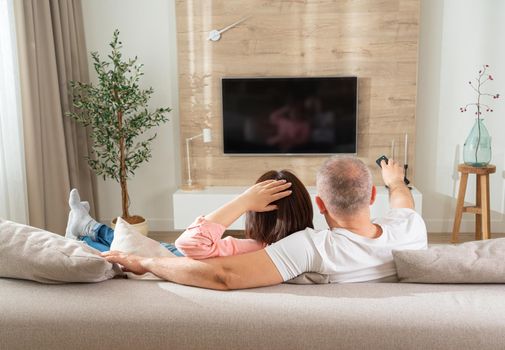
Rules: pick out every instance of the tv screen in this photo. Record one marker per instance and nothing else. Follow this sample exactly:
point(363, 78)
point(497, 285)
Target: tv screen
point(289, 115)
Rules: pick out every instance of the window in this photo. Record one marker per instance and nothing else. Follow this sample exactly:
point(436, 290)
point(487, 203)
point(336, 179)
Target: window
point(13, 203)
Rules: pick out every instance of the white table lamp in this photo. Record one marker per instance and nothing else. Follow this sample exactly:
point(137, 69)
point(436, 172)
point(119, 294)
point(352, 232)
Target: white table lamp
point(190, 185)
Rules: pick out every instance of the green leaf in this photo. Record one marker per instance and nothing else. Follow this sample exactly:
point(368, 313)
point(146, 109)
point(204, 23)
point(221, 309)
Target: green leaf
point(99, 107)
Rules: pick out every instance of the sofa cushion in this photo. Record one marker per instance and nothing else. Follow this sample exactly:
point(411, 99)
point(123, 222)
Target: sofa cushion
point(127, 239)
point(34, 254)
point(470, 262)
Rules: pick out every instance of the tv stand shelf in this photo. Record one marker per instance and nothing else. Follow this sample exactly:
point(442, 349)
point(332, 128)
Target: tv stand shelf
point(188, 205)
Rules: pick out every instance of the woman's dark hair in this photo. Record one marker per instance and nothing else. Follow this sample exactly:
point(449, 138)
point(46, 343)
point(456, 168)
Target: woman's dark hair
point(294, 212)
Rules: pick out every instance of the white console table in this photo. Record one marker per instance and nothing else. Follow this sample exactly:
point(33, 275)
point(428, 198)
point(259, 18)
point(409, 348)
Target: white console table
point(188, 205)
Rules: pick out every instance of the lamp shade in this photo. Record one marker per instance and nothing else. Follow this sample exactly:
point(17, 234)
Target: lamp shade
point(207, 136)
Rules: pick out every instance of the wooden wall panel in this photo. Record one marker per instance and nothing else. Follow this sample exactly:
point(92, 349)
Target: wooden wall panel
point(375, 40)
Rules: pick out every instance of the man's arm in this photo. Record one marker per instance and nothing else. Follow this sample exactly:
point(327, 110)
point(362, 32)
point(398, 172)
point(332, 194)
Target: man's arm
point(399, 194)
point(234, 272)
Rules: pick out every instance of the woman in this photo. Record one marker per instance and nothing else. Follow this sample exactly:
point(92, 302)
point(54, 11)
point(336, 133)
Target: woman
point(272, 213)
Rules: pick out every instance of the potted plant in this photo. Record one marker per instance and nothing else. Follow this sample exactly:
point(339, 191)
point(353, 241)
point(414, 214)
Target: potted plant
point(477, 147)
point(116, 112)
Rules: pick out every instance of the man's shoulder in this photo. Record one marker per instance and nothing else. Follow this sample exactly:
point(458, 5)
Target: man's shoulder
point(399, 214)
point(403, 222)
point(315, 233)
point(301, 237)
point(307, 232)
point(402, 211)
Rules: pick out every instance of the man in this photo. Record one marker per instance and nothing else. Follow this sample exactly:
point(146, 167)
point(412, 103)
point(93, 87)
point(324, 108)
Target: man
point(353, 249)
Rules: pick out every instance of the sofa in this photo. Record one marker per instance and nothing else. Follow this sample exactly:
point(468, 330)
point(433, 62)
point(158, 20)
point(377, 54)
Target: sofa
point(139, 314)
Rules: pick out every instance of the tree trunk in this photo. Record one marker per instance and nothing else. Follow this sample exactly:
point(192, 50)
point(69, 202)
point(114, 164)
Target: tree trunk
point(122, 170)
point(124, 198)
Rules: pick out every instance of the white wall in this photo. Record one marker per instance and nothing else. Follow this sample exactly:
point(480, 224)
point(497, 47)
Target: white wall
point(147, 31)
point(456, 37)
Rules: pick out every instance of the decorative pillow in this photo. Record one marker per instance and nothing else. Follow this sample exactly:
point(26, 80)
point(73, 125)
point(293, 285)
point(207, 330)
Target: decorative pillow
point(127, 239)
point(470, 262)
point(34, 254)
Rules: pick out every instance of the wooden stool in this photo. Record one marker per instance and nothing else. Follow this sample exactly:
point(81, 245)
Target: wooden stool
point(481, 208)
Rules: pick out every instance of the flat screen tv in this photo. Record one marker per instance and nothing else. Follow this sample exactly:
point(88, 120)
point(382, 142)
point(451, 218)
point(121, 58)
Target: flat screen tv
point(284, 116)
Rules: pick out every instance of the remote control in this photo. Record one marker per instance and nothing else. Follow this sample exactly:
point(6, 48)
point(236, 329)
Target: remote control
point(380, 159)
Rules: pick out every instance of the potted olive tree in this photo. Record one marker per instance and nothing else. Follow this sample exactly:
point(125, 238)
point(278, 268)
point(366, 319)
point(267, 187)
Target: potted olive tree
point(116, 112)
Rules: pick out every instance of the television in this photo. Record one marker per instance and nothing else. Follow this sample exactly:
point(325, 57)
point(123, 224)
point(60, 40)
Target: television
point(289, 116)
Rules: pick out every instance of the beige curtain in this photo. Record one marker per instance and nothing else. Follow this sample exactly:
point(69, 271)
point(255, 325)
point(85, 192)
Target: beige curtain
point(52, 52)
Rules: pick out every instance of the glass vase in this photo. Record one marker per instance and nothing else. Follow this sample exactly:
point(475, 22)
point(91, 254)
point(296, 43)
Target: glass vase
point(477, 148)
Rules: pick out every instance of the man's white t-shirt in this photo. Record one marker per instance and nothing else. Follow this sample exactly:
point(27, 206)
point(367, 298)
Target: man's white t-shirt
point(348, 257)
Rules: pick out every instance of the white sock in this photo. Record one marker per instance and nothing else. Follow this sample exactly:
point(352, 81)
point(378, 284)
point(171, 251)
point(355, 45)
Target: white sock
point(85, 204)
point(80, 223)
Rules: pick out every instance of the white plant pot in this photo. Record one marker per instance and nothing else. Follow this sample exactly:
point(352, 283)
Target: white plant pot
point(141, 227)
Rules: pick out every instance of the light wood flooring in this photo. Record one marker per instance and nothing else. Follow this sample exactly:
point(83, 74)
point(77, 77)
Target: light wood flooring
point(433, 238)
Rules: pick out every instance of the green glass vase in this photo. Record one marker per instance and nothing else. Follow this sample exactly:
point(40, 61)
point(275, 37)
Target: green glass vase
point(477, 148)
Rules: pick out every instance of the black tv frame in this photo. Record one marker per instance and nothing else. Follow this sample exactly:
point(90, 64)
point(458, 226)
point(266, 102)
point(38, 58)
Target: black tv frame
point(280, 154)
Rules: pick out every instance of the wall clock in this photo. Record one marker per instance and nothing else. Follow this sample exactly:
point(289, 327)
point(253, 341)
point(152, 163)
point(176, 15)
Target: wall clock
point(215, 35)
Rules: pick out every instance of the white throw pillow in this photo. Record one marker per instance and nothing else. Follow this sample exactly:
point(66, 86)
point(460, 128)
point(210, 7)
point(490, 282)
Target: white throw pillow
point(34, 254)
point(127, 239)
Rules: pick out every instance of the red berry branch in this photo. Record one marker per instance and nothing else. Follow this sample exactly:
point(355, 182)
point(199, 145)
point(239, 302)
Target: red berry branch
point(476, 86)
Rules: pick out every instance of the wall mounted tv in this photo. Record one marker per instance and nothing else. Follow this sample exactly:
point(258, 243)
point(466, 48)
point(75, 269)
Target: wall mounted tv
point(284, 116)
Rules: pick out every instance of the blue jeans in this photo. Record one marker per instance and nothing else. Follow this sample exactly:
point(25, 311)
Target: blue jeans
point(104, 236)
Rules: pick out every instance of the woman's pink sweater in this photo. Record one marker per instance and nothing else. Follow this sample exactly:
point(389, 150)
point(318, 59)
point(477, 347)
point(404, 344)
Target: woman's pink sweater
point(203, 239)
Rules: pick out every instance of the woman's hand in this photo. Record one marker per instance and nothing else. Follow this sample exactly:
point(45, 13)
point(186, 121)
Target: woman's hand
point(130, 262)
point(260, 196)
point(256, 198)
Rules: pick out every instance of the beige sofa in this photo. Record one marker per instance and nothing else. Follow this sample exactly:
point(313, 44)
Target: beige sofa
point(129, 314)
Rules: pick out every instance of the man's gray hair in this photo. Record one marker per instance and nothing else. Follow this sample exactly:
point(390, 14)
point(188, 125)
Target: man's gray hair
point(344, 184)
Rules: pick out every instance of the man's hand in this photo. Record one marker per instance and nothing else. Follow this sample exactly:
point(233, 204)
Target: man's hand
point(260, 196)
point(392, 172)
point(130, 262)
point(399, 193)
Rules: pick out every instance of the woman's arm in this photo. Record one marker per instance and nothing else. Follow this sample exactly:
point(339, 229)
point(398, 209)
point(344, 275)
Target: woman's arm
point(202, 239)
point(256, 198)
